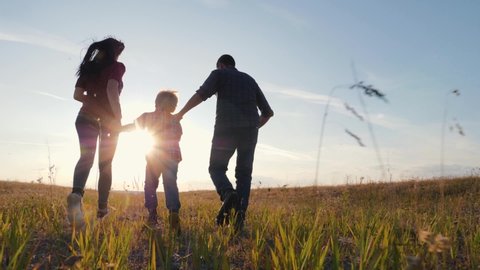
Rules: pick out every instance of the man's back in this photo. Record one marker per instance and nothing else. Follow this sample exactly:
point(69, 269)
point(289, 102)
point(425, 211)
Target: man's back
point(238, 98)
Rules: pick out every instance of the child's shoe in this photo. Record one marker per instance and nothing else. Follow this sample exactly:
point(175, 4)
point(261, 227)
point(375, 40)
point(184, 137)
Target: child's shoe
point(74, 210)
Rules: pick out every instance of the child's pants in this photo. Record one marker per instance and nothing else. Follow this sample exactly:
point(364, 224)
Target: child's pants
point(157, 167)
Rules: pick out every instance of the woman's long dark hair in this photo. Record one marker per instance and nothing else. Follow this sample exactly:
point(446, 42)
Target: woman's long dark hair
point(91, 64)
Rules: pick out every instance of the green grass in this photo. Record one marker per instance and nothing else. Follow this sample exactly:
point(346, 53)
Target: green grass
point(370, 226)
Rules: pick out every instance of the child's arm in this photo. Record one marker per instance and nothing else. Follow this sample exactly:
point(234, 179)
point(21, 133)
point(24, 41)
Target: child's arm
point(137, 123)
point(128, 127)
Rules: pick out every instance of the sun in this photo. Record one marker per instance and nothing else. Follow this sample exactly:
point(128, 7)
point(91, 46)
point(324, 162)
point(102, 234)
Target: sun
point(129, 160)
point(137, 141)
point(145, 140)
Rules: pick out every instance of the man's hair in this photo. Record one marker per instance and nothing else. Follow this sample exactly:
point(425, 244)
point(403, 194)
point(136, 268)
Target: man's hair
point(166, 100)
point(227, 60)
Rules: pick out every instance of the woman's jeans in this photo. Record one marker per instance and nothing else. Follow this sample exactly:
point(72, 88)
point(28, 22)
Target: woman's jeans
point(224, 143)
point(89, 131)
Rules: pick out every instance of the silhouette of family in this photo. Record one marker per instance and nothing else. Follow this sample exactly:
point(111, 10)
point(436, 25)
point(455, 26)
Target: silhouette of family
point(239, 100)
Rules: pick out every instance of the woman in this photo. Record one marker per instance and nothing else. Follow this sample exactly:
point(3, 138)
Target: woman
point(98, 88)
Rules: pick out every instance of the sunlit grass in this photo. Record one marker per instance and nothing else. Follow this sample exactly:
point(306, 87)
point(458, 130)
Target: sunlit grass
point(404, 225)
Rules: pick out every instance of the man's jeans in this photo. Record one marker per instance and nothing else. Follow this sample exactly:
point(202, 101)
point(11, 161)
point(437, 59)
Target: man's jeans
point(156, 167)
point(224, 143)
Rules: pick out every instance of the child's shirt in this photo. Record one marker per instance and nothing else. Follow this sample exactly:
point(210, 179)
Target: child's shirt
point(166, 133)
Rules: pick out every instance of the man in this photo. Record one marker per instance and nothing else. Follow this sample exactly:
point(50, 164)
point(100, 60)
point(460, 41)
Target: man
point(236, 129)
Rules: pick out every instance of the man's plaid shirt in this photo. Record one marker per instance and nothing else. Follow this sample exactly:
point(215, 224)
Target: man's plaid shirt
point(238, 98)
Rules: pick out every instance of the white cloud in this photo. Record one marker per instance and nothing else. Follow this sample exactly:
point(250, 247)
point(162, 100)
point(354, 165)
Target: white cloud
point(338, 105)
point(389, 121)
point(49, 95)
point(302, 95)
point(272, 150)
point(40, 39)
point(401, 172)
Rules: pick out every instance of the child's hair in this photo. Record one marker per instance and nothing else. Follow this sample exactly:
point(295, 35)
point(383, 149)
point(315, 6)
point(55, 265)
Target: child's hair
point(166, 100)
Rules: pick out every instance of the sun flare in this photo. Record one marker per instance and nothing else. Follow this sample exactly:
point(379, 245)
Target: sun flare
point(141, 141)
point(131, 151)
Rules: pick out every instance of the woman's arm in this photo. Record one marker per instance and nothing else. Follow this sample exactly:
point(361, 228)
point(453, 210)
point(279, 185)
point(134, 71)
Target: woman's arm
point(79, 94)
point(114, 98)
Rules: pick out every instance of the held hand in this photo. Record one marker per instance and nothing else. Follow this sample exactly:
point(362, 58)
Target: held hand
point(177, 117)
point(128, 127)
point(113, 125)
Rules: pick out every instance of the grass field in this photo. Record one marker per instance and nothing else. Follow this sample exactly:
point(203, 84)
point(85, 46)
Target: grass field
point(431, 224)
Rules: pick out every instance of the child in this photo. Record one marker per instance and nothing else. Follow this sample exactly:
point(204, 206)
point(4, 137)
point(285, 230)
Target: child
point(163, 159)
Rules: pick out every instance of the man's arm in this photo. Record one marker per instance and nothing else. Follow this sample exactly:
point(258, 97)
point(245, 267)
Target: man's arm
point(264, 107)
point(191, 103)
point(263, 120)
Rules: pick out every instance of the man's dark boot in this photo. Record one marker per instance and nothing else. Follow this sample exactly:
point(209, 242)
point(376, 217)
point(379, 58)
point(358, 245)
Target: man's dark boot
point(230, 202)
point(239, 220)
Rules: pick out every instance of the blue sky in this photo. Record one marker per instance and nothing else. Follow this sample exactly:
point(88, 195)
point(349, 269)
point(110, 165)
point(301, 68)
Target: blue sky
point(416, 52)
